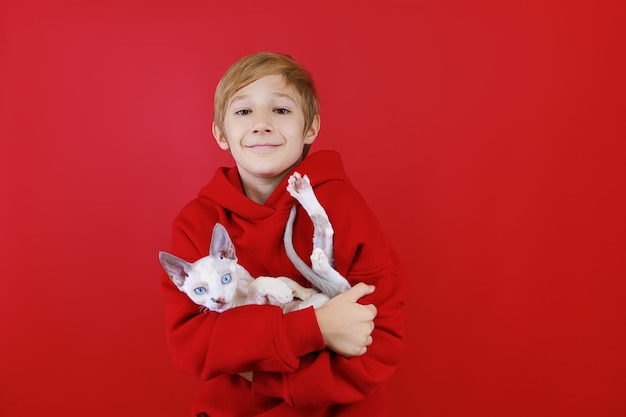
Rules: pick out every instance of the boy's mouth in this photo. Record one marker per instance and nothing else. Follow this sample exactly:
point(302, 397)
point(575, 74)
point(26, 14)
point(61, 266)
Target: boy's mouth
point(262, 147)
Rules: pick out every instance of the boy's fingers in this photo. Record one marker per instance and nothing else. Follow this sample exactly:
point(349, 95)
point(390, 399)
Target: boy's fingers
point(359, 290)
point(372, 309)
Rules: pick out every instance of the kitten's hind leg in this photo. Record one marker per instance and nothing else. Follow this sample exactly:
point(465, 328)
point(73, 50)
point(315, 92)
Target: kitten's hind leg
point(315, 301)
point(302, 297)
point(300, 188)
point(321, 265)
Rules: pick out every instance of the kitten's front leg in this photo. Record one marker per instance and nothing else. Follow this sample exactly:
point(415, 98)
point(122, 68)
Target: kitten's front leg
point(269, 290)
point(298, 291)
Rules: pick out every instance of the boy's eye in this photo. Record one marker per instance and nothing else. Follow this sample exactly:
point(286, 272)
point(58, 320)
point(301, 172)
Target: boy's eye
point(226, 279)
point(281, 110)
point(200, 290)
point(243, 112)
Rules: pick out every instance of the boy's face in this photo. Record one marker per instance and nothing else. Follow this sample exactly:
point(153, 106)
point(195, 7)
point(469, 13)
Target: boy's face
point(264, 129)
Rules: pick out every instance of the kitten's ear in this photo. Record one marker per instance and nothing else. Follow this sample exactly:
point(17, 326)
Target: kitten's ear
point(221, 245)
point(177, 269)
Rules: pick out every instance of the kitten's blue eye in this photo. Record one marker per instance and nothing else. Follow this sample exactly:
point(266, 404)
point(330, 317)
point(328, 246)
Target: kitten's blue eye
point(226, 279)
point(200, 290)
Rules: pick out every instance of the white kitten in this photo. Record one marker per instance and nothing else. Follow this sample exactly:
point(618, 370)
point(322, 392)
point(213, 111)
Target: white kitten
point(217, 282)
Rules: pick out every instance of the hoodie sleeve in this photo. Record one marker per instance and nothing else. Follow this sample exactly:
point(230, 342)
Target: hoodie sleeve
point(361, 250)
point(208, 344)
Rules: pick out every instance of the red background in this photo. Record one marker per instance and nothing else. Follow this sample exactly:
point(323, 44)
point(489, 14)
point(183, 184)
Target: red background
point(487, 136)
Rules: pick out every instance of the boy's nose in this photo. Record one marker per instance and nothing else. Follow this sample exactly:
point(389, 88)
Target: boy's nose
point(263, 129)
point(262, 124)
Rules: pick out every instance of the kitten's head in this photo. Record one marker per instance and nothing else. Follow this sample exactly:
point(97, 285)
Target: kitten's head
point(211, 281)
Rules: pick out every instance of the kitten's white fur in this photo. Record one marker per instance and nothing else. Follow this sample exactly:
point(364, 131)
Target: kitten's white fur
point(217, 282)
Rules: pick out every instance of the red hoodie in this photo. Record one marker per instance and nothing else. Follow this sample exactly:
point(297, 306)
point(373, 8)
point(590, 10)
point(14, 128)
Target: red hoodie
point(294, 375)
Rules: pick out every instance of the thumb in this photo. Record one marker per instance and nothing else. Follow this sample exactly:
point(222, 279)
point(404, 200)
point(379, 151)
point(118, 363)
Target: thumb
point(359, 290)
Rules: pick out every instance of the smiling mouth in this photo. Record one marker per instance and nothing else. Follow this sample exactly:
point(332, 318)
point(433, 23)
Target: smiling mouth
point(262, 147)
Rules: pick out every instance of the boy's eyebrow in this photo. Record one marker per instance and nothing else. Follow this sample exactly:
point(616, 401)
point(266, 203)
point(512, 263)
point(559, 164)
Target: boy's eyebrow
point(238, 98)
point(246, 96)
point(287, 96)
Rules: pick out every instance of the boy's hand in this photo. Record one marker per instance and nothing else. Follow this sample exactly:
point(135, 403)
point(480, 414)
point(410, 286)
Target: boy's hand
point(345, 324)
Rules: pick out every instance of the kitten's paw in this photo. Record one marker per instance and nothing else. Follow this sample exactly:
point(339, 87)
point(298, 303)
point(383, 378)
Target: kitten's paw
point(280, 295)
point(297, 185)
point(303, 293)
point(320, 262)
point(316, 301)
point(269, 290)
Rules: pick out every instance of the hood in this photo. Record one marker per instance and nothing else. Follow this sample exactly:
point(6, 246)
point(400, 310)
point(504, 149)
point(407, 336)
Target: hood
point(225, 187)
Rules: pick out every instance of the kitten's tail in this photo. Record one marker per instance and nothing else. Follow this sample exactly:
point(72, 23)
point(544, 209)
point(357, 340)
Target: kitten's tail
point(326, 285)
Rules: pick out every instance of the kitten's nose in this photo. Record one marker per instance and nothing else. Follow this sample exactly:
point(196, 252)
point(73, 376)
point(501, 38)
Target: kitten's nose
point(219, 301)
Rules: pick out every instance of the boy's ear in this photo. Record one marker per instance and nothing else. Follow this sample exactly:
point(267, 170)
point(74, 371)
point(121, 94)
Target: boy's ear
point(311, 134)
point(219, 137)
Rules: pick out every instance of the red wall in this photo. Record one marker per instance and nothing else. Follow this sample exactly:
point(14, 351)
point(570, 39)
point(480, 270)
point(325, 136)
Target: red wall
point(486, 135)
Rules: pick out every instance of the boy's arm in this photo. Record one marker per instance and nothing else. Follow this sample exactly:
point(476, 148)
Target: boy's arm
point(327, 377)
point(346, 325)
point(208, 344)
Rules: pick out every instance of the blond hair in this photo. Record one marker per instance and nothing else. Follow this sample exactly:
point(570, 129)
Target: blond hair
point(258, 65)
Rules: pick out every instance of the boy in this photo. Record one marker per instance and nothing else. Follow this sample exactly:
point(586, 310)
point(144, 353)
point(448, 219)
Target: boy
point(255, 360)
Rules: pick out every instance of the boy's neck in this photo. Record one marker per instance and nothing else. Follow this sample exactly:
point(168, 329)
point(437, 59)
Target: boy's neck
point(260, 189)
point(259, 194)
